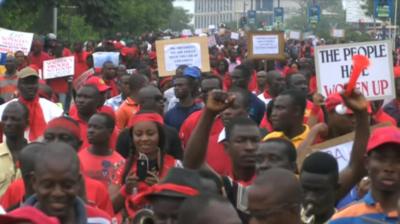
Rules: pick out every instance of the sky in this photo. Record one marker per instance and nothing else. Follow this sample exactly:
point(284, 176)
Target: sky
point(186, 4)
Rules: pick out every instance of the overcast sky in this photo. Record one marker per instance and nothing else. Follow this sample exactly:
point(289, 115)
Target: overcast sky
point(186, 4)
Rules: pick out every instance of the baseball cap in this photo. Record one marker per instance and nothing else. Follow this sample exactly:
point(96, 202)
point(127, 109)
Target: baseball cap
point(192, 71)
point(98, 82)
point(27, 72)
point(336, 102)
point(27, 214)
point(382, 136)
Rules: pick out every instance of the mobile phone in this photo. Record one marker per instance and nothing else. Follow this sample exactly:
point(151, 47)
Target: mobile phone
point(142, 167)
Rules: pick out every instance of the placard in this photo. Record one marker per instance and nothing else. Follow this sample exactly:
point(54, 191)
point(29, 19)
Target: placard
point(338, 33)
point(295, 35)
point(212, 41)
point(184, 51)
point(13, 41)
point(334, 65)
point(266, 45)
point(99, 58)
point(235, 36)
point(198, 31)
point(59, 67)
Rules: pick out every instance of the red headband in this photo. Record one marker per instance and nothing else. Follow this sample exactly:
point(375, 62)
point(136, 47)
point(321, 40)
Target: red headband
point(140, 199)
point(137, 118)
point(64, 123)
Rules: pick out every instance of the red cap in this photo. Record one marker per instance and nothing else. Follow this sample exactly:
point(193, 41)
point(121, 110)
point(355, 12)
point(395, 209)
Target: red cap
point(335, 100)
point(128, 51)
point(382, 136)
point(152, 55)
point(27, 214)
point(396, 71)
point(66, 124)
point(98, 82)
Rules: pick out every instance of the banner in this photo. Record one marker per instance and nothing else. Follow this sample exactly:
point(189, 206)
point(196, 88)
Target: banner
point(266, 45)
point(13, 41)
point(99, 58)
point(59, 67)
point(188, 51)
point(334, 65)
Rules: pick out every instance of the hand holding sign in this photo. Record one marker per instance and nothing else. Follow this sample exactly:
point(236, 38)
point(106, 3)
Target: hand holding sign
point(360, 62)
point(355, 101)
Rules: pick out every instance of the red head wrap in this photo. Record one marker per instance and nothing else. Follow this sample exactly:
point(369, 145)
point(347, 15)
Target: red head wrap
point(65, 123)
point(137, 118)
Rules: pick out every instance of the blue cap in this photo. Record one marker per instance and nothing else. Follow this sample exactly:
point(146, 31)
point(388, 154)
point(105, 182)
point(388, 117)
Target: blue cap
point(192, 71)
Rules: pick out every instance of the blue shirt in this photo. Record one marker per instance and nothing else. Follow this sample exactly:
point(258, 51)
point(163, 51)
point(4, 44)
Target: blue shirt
point(257, 108)
point(178, 114)
point(365, 211)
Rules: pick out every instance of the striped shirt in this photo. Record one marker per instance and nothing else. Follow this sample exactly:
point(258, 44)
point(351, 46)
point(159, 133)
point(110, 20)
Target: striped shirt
point(366, 210)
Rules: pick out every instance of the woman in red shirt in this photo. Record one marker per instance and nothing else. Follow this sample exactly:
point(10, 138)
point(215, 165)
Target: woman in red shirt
point(147, 162)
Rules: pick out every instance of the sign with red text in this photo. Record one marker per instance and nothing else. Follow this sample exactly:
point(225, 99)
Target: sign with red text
point(334, 65)
point(13, 41)
point(59, 67)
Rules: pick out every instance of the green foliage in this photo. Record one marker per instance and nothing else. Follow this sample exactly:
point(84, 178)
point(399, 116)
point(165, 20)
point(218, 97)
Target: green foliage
point(76, 29)
point(178, 19)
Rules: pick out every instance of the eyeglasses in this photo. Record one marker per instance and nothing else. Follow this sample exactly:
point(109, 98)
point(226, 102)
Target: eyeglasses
point(267, 213)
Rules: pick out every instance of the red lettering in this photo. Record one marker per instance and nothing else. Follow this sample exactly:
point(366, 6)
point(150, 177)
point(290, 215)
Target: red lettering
point(384, 85)
point(375, 88)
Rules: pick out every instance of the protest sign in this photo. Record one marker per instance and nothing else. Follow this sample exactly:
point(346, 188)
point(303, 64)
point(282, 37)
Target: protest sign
point(235, 36)
point(59, 67)
point(295, 35)
point(188, 51)
point(80, 81)
point(338, 33)
point(99, 58)
point(334, 66)
point(12, 41)
point(198, 31)
point(266, 45)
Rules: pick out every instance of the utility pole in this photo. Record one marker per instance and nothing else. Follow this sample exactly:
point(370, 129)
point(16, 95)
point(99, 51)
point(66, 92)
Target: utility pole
point(55, 16)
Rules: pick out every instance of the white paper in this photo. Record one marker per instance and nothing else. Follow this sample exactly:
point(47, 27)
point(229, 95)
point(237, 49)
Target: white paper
point(339, 33)
point(295, 35)
point(211, 41)
point(59, 67)
point(182, 54)
point(12, 41)
point(99, 58)
point(235, 36)
point(265, 44)
point(341, 152)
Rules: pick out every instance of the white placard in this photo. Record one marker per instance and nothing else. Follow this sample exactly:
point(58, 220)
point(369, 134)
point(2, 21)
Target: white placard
point(59, 67)
point(198, 31)
point(212, 41)
point(295, 35)
point(182, 54)
point(265, 44)
point(338, 33)
point(12, 41)
point(99, 58)
point(235, 36)
point(341, 152)
point(334, 65)
point(187, 32)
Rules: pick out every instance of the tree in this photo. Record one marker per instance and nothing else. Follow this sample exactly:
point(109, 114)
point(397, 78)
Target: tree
point(179, 19)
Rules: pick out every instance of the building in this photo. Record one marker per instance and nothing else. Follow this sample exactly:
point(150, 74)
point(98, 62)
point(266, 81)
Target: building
point(214, 12)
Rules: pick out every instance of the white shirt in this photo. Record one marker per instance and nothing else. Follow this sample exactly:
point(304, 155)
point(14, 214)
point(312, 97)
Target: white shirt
point(265, 100)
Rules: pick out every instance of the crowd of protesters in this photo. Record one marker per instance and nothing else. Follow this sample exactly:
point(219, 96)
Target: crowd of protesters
point(120, 144)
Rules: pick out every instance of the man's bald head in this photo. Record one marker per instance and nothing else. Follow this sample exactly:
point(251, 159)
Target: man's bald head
point(151, 98)
point(27, 157)
point(57, 156)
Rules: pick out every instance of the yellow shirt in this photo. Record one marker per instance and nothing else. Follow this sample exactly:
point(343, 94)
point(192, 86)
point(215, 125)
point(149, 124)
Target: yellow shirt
point(297, 140)
point(8, 171)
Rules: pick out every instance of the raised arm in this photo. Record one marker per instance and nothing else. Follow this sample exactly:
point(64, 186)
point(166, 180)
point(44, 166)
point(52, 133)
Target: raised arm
point(196, 149)
point(355, 171)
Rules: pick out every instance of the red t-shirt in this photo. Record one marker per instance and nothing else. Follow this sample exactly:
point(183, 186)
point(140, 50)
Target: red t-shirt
point(217, 157)
point(113, 87)
point(96, 195)
point(190, 123)
point(38, 60)
point(101, 168)
point(80, 63)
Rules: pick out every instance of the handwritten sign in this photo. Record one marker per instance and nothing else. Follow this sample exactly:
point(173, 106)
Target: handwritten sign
point(59, 67)
point(295, 35)
point(13, 41)
point(266, 45)
point(334, 66)
point(188, 51)
point(235, 36)
point(99, 58)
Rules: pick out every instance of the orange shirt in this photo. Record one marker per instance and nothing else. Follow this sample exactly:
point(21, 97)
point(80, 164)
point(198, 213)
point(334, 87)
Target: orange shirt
point(127, 109)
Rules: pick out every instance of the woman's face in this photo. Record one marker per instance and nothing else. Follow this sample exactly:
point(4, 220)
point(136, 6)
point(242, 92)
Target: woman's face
point(146, 137)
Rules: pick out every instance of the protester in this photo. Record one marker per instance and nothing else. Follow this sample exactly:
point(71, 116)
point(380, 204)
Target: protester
point(109, 74)
point(207, 209)
point(382, 166)
point(261, 81)
point(274, 85)
point(8, 81)
point(27, 214)
point(37, 55)
point(123, 84)
point(21, 60)
point(14, 120)
point(41, 110)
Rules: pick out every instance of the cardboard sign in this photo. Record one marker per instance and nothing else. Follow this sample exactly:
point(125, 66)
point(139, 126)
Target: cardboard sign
point(59, 67)
point(99, 58)
point(188, 51)
point(338, 33)
point(295, 35)
point(235, 36)
point(266, 45)
point(13, 41)
point(80, 81)
point(334, 65)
